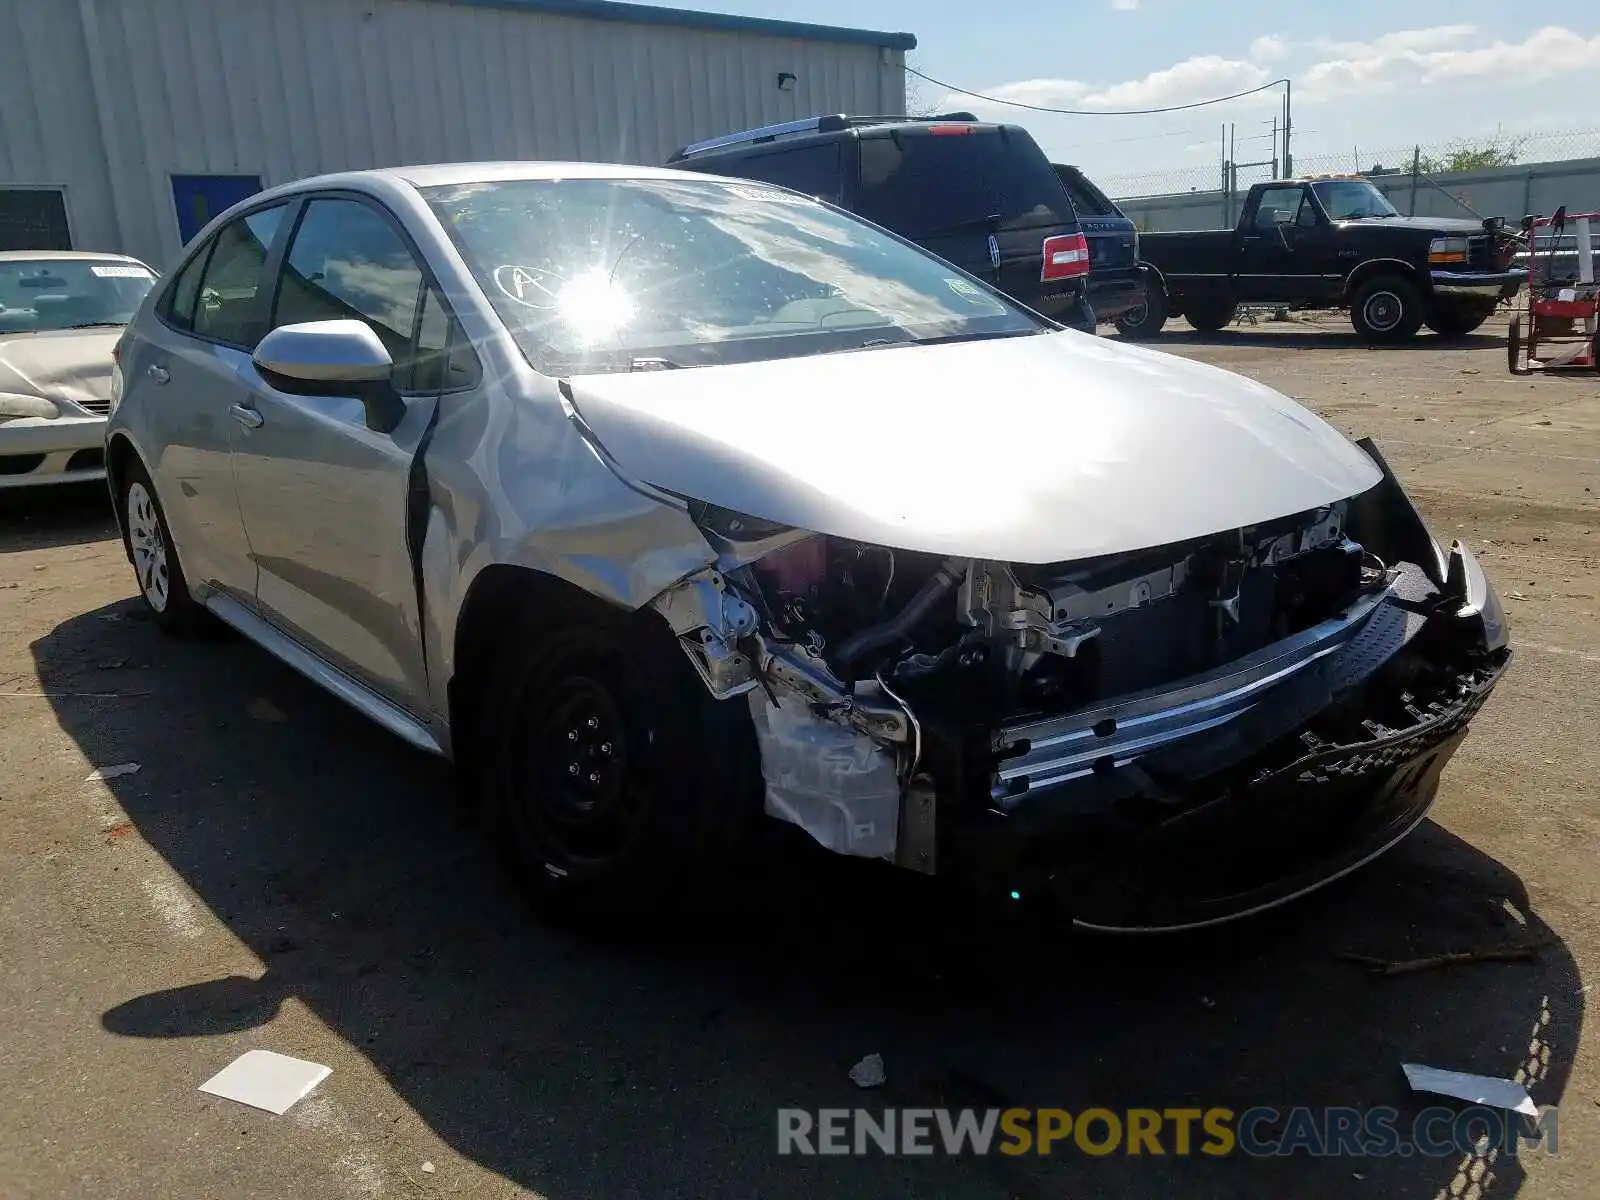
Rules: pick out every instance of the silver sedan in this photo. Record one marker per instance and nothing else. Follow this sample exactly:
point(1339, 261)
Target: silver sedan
point(61, 313)
point(659, 502)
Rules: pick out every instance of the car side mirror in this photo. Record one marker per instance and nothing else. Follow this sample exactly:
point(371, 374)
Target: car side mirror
point(333, 358)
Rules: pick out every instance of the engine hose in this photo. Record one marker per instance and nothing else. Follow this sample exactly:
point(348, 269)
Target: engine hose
point(875, 637)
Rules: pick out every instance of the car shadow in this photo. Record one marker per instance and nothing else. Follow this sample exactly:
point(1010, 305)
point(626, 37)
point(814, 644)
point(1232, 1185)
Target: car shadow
point(45, 518)
point(654, 1064)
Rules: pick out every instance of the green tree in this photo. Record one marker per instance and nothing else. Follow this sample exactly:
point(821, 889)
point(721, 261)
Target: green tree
point(1498, 151)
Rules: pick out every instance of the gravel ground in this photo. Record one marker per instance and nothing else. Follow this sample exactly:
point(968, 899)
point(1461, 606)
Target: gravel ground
point(279, 874)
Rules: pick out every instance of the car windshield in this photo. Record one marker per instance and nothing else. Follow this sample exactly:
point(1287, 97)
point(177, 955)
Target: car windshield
point(1352, 199)
point(40, 294)
point(596, 275)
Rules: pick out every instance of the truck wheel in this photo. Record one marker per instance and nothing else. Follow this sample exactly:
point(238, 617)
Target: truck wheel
point(1209, 316)
point(1387, 308)
point(605, 771)
point(1145, 322)
point(1457, 318)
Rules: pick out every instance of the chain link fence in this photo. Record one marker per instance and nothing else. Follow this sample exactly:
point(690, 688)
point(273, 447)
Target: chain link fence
point(1500, 150)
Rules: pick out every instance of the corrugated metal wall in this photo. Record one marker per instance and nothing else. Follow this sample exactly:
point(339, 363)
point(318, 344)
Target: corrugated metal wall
point(297, 87)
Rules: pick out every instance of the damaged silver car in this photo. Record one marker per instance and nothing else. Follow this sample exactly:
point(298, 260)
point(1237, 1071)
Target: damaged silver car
point(661, 501)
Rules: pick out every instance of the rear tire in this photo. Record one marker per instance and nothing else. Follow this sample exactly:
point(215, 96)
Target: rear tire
point(605, 772)
point(1145, 322)
point(1514, 347)
point(1457, 318)
point(1387, 309)
point(148, 541)
point(1209, 316)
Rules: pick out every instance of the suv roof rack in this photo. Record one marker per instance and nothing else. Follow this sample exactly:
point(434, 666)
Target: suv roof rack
point(833, 123)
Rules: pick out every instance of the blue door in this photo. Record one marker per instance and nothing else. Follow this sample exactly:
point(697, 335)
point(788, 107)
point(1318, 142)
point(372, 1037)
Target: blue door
point(198, 198)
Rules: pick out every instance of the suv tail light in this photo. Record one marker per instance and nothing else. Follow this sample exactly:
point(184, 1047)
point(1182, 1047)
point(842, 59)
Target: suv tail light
point(951, 130)
point(1065, 257)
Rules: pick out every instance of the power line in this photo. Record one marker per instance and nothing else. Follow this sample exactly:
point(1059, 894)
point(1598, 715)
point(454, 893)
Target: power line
point(1099, 112)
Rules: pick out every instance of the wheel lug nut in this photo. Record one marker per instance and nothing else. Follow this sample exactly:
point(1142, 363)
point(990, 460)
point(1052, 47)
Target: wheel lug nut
point(605, 748)
point(593, 723)
point(594, 776)
point(572, 768)
point(572, 735)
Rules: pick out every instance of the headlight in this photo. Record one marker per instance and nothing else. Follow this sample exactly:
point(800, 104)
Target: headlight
point(116, 386)
point(1483, 602)
point(15, 406)
point(1447, 250)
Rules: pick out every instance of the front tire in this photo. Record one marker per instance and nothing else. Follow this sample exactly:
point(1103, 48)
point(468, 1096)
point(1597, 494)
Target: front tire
point(1209, 317)
point(1456, 318)
point(148, 541)
point(1145, 322)
point(1387, 309)
point(605, 771)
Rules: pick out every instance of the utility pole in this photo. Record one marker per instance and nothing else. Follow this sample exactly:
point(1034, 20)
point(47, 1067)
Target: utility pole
point(1288, 105)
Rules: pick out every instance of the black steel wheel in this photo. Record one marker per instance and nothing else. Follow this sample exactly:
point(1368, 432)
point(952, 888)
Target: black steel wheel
point(605, 770)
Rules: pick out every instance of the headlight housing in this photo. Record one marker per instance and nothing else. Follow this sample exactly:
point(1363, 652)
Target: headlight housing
point(15, 406)
point(1448, 250)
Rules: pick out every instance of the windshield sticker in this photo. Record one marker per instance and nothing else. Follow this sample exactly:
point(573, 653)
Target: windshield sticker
point(528, 286)
point(971, 293)
point(120, 272)
point(772, 195)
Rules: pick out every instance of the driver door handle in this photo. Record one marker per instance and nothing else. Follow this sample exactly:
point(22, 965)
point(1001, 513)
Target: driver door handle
point(248, 417)
point(157, 374)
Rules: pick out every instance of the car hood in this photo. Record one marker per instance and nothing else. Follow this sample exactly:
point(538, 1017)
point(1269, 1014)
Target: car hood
point(60, 364)
point(1438, 226)
point(1029, 449)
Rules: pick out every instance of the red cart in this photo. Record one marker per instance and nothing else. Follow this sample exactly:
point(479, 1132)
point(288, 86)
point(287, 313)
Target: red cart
point(1558, 329)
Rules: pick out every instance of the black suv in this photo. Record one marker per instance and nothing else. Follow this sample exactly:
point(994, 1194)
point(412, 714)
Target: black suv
point(1116, 279)
point(981, 196)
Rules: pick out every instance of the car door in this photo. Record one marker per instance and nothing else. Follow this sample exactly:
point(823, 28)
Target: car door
point(324, 497)
point(1288, 250)
point(189, 362)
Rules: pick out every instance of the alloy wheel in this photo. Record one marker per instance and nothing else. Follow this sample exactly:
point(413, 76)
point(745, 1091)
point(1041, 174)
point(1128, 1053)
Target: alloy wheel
point(149, 546)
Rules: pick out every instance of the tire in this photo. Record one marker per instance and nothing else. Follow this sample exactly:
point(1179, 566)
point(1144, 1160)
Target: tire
point(148, 541)
point(1387, 309)
point(1457, 318)
point(605, 772)
point(1145, 322)
point(1514, 347)
point(1209, 316)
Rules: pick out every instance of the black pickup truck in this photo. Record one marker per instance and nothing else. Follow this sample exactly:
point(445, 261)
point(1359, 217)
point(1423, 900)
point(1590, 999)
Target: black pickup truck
point(1331, 243)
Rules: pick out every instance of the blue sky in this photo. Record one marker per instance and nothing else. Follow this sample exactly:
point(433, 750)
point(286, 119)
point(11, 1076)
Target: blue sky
point(1371, 77)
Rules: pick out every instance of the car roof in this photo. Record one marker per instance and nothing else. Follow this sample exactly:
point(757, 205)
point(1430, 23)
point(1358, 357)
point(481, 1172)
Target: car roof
point(65, 255)
point(446, 174)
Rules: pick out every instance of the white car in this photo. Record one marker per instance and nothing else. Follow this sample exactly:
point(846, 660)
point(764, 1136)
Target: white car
point(61, 313)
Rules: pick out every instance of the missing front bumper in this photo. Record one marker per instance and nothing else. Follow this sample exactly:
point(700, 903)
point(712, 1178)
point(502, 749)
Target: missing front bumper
point(1157, 852)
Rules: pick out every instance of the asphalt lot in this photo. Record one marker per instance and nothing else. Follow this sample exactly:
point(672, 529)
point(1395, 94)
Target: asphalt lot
point(279, 874)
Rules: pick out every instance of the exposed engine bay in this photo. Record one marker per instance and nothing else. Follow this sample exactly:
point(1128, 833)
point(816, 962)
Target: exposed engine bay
point(897, 694)
point(975, 641)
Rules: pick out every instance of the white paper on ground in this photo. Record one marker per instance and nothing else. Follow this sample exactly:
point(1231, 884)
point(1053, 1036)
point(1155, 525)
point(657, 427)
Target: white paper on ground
point(263, 1079)
point(1479, 1089)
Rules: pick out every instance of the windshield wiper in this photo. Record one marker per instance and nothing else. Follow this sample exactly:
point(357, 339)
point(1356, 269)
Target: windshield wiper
point(654, 364)
point(97, 325)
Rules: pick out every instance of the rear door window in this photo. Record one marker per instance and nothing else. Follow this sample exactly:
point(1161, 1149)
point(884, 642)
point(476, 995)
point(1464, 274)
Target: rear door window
point(922, 183)
point(1089, 200)
point(230, 308)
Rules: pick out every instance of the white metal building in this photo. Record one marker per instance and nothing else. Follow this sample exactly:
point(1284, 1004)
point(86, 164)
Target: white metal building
point(126, 124)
